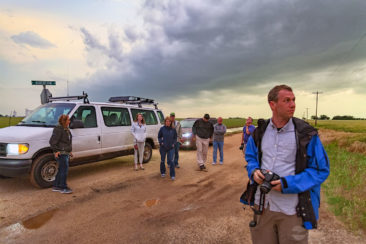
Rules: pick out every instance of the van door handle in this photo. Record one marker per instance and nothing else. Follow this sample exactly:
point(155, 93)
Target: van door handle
point(99, 139)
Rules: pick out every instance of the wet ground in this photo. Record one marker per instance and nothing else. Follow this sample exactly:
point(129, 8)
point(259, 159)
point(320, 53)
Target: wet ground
point(112, 203)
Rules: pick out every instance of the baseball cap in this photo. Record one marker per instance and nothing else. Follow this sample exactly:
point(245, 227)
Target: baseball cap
point(206, 116)
point(172, 114)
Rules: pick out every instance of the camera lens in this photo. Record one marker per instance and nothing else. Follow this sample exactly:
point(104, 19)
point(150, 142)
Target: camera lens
point(265, 187)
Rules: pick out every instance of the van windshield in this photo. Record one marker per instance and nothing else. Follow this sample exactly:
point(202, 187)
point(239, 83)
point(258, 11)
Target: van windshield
point(47, 115)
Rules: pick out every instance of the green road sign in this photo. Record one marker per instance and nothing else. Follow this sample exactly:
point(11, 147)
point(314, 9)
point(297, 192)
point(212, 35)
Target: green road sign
point(40, 82)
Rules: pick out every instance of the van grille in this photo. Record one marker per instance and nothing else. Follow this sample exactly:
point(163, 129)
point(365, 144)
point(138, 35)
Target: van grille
point(3, 149)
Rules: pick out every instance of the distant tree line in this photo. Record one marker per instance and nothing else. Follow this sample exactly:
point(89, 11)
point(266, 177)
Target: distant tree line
point(337, 117)
point(346, 117)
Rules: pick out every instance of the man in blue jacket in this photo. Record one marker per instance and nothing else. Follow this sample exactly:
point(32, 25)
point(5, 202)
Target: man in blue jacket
point(292, 149)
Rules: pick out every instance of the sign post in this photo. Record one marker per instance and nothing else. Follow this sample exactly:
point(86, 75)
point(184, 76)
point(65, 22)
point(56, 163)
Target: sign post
point(45, 94)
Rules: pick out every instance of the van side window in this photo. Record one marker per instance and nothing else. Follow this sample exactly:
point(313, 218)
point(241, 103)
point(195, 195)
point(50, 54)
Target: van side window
point(87, 115)
point(113, 116)
point(150, 117)
point(161, 117)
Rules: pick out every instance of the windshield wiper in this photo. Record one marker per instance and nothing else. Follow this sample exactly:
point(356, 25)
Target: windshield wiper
point(36, 125)
point(38, 121)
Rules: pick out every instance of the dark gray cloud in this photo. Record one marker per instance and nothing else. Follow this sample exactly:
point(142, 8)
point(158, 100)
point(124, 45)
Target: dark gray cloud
point(32, 39)
point(191, 46)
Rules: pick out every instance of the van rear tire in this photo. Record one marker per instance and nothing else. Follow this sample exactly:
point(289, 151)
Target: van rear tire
point(147, 153)
point(44, 170)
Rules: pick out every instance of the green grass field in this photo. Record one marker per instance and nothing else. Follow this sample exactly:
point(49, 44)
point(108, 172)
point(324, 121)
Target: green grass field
point(6, 121)
point(342, 125)
point(345, 186)
point(234, 123)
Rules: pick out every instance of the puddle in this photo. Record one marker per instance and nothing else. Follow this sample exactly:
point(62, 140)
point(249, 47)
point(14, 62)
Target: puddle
point(14, 231)
point(38, 221)
point(152, 202)
point(189, 208)
point(234, 129)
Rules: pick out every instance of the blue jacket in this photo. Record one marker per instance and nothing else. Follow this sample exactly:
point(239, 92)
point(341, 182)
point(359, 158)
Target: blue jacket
point(246, 136)
point(308, 177)
point(167, 137)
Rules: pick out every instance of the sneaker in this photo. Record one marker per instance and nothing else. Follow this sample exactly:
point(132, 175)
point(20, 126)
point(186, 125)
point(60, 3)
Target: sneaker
point(66, 191)
point(177, 166)
point(213, 163)
point(203, 168)
point(55, 188)
point(221, 163)
point(162, 175)
point(173, 178)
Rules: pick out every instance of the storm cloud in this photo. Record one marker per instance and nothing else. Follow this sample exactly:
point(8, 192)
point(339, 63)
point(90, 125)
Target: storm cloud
point(186, 48)
point(32, 39)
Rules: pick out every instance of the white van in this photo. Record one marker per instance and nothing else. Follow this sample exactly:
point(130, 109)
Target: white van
point(100, 131)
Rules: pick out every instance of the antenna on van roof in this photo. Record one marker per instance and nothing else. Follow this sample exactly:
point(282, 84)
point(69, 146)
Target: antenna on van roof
point(133, 100)
point(69, 98)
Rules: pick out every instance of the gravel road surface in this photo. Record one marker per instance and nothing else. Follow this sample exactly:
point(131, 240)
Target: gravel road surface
point(112, 203)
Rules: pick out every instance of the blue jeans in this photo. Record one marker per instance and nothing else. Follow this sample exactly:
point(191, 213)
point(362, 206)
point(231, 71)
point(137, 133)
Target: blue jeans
point(169, 154)
point(176, 153)
point(220, 145)
point(63, 167)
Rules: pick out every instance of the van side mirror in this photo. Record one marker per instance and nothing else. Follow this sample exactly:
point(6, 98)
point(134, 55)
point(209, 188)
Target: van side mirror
point(76, 124)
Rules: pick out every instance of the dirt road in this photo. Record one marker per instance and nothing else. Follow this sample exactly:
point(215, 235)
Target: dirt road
point(112, 203)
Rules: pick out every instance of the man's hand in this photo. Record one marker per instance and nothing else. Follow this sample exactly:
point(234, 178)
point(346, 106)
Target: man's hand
point(181, 141)
point(71, 155)
point(258, 176)
point(194, 137)
point(57, 154)
point(276, 185)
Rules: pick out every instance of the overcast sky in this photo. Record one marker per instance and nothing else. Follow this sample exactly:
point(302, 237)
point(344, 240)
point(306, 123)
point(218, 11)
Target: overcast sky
point(193, 57)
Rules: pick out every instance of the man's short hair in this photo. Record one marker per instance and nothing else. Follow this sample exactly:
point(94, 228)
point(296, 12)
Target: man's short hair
point(206, 116)
point(273, 93)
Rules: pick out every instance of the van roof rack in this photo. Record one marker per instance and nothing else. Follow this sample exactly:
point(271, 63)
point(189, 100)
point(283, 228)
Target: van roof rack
point(69, 98)
point(133, 100)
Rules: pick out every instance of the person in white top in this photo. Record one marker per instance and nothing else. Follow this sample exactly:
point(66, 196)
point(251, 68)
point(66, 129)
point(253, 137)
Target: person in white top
point(138, 130)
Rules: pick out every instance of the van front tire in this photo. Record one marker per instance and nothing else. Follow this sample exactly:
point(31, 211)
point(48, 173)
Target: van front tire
point(44, 170)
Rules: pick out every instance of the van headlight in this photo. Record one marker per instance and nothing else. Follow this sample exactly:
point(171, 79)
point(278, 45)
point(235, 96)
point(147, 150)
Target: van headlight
point(17, 149)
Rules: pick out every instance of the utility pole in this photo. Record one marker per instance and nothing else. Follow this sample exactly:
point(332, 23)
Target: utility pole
point(307, 114)
point(316, 107)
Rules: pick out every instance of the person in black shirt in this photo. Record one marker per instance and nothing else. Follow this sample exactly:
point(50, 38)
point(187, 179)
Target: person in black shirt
point(61, 145)
point(202, 132)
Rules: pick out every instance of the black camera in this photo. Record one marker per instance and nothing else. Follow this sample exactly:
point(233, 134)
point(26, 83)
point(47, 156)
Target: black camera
point(241, 147)
point(268, 177)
